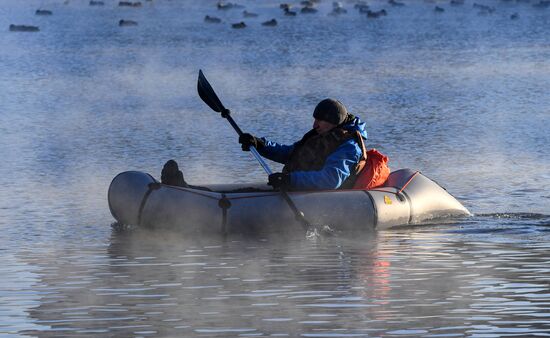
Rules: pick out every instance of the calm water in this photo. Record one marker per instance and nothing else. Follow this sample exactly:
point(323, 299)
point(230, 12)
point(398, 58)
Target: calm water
point(462, 96)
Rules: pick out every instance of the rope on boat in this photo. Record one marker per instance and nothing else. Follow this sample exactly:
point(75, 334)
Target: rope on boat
point(263, 194)
point(399, 194)
point(151, 186)
point(409, 181)
point(194, 191)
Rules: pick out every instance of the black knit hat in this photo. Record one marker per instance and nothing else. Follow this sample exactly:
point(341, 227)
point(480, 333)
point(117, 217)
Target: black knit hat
point(330, 110)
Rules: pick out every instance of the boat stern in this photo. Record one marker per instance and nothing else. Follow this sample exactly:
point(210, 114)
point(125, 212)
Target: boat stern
point(126, 195)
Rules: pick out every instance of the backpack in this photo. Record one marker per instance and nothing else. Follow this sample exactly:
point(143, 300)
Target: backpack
point(375, 172)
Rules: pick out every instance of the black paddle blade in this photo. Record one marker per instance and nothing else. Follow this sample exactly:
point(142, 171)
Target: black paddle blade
point(208, 95)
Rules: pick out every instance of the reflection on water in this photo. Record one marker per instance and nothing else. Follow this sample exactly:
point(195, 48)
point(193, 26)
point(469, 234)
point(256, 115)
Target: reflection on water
point(417, 282)
point(460, 96)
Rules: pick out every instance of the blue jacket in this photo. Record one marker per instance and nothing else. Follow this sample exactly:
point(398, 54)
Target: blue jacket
point(337, 168)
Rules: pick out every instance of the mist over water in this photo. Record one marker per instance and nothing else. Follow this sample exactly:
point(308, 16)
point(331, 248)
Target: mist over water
point(461, 96)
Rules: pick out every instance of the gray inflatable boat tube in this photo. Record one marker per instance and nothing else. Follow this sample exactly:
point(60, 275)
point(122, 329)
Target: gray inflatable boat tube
point(408, 197)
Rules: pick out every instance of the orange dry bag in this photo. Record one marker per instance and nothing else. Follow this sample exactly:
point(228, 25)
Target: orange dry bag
point(375, 173)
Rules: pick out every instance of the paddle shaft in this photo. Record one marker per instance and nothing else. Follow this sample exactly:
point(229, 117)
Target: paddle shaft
point(226, 114)
point(208, 95)
point(297, 213)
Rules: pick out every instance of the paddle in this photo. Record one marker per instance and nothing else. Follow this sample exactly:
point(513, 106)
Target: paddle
point(209, 97)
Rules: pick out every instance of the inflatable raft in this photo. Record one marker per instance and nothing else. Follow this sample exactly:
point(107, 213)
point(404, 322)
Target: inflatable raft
point(408, 197)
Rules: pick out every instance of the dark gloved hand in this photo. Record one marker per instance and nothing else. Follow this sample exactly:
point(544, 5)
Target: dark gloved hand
point(279, 180)
point(247, 140)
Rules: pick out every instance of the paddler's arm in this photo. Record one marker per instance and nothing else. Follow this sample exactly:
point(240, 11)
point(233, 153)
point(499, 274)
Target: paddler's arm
point(268, 149)
point(275, 151)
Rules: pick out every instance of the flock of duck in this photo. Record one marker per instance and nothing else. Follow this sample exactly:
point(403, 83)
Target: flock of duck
point(305, 7)
point(95, 3)
point(310, 7)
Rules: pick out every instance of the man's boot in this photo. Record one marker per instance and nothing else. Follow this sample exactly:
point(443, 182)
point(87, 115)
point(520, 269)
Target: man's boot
point(171, 175)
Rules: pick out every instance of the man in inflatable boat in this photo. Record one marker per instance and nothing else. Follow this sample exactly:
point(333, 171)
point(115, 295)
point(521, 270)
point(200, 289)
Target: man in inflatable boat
point(330, 156)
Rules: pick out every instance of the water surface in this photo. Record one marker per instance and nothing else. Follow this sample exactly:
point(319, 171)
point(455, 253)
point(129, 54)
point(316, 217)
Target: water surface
point(461, 96)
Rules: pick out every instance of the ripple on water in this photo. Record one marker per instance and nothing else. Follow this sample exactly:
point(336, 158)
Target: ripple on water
point(461, 97)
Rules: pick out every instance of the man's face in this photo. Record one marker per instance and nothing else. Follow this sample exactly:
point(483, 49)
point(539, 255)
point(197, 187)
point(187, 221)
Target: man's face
point(322, 127)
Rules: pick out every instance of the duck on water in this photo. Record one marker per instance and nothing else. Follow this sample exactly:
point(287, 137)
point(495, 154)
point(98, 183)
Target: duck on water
point(43, 12)
point(288, 12)
point(376, 14)
point(337, 8)
point(239, 25)
point(270, 23)
point(23, 28)
point(212, 19)
point(127, 23)
point(129, 4)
